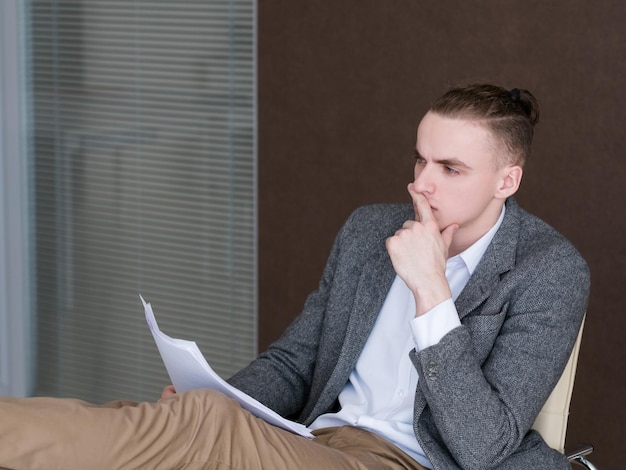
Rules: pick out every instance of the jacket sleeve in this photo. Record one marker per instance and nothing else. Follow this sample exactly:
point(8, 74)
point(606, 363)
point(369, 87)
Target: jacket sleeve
point(280, 377)
point(483, 403)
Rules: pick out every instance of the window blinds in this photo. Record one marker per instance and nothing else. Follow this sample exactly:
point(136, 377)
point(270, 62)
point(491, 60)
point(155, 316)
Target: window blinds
point(142, 160)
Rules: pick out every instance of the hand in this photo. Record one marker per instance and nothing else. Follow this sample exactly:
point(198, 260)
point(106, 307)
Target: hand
point(168, 392)
point(419, 252)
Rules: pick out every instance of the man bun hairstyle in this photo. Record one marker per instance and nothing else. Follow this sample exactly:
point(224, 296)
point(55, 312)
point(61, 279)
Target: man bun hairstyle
point(510, 115)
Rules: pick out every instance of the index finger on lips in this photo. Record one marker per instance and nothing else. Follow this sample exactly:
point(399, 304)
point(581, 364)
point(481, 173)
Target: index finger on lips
point(423, 213)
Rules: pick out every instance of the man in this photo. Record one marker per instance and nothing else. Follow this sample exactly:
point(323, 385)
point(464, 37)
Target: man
point(436, 334)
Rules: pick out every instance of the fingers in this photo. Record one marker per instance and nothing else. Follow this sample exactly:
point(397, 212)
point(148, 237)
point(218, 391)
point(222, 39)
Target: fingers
point(424, 215)
point(168, 392)
point(447, 234)
point(423, 212)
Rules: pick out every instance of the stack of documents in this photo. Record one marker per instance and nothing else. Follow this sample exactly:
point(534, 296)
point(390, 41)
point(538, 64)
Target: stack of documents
point(188, 369)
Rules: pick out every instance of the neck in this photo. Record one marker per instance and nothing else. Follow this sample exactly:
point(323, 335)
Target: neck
point(467, 235)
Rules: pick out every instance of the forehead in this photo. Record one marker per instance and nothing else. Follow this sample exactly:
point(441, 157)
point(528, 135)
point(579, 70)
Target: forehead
point(441, 137)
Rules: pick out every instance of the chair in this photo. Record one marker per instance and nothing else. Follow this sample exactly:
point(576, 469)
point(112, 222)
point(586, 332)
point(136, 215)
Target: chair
point(551, 422)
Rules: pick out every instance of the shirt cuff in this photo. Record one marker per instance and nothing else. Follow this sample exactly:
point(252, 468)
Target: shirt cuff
point(428, 329)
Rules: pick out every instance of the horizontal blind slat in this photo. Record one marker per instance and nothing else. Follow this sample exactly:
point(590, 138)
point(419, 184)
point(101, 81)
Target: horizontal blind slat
point(143, 158)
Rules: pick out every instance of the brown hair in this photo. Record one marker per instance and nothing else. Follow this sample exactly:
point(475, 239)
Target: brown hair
point(510, 115)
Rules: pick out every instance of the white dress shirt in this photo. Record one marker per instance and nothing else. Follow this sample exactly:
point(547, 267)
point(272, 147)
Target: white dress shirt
point(378, 397)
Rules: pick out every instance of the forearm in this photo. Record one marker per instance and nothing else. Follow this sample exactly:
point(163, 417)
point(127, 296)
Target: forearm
point(471, 417)
point(280, 376)
point(485, 381)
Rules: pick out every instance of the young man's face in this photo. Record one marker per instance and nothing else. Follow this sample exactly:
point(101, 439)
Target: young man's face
point(456, 171)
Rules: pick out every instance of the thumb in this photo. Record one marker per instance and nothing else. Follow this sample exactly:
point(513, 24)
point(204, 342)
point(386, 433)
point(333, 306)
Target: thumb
point(448, 234)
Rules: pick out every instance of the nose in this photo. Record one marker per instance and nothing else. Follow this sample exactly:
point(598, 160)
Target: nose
point(423, 178)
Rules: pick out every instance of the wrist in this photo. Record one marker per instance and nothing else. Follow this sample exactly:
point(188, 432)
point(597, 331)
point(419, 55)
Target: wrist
point(431, 295)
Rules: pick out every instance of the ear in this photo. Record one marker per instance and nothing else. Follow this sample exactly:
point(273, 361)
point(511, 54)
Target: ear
point(511, 177)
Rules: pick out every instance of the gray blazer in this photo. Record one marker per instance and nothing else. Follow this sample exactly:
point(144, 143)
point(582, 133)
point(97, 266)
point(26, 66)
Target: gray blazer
point(483, 384)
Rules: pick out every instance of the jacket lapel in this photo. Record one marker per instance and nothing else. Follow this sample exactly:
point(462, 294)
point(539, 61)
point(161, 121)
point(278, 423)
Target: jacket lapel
point(374, 284)
point(498, 259)
point(372, 288)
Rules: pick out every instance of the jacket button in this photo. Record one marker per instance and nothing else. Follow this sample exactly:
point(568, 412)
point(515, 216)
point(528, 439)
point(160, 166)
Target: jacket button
point(431, 370)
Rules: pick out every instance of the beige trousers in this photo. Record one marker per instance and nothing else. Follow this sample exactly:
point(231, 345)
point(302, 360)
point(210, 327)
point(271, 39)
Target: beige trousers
point(201, 429)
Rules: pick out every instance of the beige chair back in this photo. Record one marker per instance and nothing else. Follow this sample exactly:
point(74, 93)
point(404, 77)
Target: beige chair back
point(552, 420)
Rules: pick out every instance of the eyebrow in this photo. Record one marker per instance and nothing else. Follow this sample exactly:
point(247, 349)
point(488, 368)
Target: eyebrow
point(454, 162)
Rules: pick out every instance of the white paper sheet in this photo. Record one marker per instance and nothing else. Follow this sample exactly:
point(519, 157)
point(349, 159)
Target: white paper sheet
point(188, 369)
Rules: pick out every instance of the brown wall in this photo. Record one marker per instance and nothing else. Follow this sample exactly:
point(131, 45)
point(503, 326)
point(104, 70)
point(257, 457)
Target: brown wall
point(342, 86)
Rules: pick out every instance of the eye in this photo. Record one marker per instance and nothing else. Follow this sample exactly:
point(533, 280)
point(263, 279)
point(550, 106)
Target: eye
point(419, 160)
point(449, 170)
